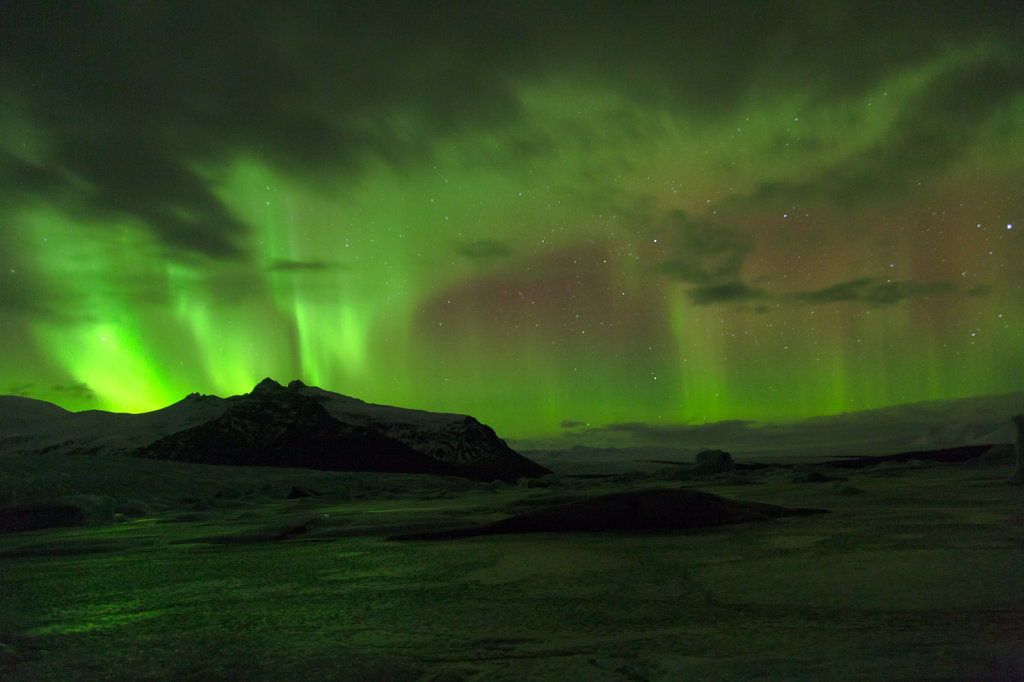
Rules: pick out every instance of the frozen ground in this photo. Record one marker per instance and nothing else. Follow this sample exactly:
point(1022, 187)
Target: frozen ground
point(917, 573)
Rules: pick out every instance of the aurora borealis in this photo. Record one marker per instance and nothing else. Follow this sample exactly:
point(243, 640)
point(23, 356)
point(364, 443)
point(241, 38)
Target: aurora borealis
point(543, 216)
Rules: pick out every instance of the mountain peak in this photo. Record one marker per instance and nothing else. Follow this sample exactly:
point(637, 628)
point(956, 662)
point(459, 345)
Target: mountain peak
point(267, 385)
point(297, 426)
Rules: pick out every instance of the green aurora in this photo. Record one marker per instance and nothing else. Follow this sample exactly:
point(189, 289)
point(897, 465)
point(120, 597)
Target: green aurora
point(540, 217)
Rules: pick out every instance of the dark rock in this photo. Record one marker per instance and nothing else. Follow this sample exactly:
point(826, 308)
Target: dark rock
point(1017, 477)
point(714, 462)
point(298, 492)
point(98, 509)
point(960, 454)
point(228, 493)
point(546, 481)
point(744, 478)
point(70, 510)
point(803, 474)
point(639, 510)
point(295, 531)
point(997, 455)
point(132, 508)
point(27, 517)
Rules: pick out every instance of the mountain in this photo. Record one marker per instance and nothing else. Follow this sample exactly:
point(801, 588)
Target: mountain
point(928, 425)
point(30, 426)
point(293, 426)
point(273, 426)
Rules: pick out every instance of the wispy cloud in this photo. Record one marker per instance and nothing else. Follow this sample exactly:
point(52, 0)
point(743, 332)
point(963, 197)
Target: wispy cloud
point(730, 292)
point(78, 390)
point(284, 265)
point(703, 251)
point(682, 435)
point(875, 291)
point(484, 250)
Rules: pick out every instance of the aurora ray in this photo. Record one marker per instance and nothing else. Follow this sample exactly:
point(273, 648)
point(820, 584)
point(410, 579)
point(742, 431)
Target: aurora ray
point(533, 215)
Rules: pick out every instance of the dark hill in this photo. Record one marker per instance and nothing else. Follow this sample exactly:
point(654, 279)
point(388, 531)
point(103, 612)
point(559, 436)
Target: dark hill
point(285, 428)
point(303, 426)
point(655, 509)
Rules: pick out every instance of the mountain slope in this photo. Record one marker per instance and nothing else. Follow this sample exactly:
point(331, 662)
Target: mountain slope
point(284, 428)
point(297, 426)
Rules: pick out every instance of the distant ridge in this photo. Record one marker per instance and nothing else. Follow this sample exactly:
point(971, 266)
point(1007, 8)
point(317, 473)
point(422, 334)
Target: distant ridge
point(924, 426)
point(273, 425)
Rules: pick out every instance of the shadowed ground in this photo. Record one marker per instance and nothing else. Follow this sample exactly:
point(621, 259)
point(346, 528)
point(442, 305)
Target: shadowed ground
point(214, 573)
point(634, 510)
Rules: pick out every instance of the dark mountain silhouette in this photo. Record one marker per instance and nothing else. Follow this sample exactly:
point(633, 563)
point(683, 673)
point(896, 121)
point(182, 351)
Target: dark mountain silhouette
point(293, 426)
point(273, 426)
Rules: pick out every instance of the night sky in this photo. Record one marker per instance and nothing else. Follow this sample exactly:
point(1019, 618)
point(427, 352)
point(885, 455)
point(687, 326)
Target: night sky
point(546, 215)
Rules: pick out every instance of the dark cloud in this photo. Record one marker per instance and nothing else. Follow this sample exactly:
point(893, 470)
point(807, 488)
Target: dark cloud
point(709, 255)
point(875, 291)
point(21, 390)
point(942, 121)
point(933, 129)
point(78, 390)
point(703, 58)
point(866, 290)
point(132, 98)
point(704, 252)
point(163, 193)
point(678, 430)
point(730, 292)
point(484, 250)
point(285, 265)
point(23, 178)
point(979, 290)
point(680, 435)
point(627, 426)
point(569, 424)
point(17, 295)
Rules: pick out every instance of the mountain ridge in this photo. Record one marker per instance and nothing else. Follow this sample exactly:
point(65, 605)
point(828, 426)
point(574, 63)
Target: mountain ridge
point(274, 425)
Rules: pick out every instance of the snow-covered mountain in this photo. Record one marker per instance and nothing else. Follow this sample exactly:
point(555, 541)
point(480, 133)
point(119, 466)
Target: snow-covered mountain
point(297, 425)
point(929, 425)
